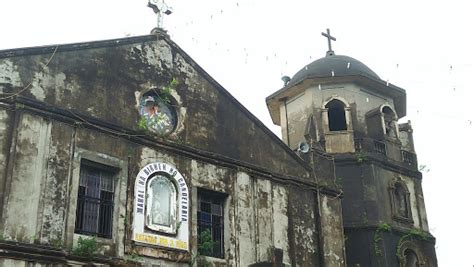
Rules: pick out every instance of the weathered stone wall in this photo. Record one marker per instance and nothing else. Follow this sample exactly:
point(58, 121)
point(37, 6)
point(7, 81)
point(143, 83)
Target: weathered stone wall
point(5, 137)
point(359, 99)
point(312, 100)
point(370, 185)
point(298, 110)
point(305, 230)
point(294, 114)
point(26, 184)
point(257, 212)
point(368, 205)
point(83, 104)
point(106, 82)
point(331, 223)
point(406, 137)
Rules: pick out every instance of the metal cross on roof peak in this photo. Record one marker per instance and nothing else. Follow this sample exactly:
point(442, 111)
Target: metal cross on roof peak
point(160, 8)
point(328, 35)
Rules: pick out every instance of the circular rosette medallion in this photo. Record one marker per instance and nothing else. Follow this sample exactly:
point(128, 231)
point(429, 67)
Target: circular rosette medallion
point(158, 116)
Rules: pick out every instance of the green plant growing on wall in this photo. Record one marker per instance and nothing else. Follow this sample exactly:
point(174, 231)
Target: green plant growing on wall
point(206, 244)
point(361, 157)
point(165, 92)
point(142, 124)
point(125, 220)
point(205, 247)
point(365, 218)
point(178, 225)
point(133, 256)
point(382, 227)
point(412, 234)
point(19, 106)
point(56, 242)
point(86, 247)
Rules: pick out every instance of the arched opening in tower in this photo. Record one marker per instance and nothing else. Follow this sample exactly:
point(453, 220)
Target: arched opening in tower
point(336, 115)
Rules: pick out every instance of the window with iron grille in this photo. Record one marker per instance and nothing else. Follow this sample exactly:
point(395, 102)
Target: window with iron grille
point(211, 221)
point(95, 201)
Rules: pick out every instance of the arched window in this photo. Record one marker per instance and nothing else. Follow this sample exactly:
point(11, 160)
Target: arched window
point(411, 260)
point(161, 204)
point(390, 120)
point(336, 115)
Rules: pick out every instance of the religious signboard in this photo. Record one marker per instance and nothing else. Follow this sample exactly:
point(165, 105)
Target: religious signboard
point(161, 207)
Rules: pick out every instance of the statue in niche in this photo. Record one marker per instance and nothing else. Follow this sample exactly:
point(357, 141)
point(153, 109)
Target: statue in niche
point(162, 194)
point(389, 127)
point(401, 201)
point(390, 122)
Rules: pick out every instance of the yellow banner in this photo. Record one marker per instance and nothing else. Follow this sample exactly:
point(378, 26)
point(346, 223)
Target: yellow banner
point(161, 241)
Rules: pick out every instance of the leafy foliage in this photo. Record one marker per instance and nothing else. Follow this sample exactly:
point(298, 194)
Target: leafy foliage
point(165, 93)
point(206, 244)
point(86, 247)
point(142, 124)
point(205, 248)
point(361, 157)
point(56, 242)
point(382, 227)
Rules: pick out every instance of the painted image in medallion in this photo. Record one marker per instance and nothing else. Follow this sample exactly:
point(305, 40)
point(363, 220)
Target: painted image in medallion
point(159, 116)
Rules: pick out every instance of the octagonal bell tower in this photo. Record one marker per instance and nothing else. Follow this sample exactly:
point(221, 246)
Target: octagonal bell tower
point(341, 108)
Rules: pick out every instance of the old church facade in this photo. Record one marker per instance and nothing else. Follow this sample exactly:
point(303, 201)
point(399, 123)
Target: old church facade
point(127, 153)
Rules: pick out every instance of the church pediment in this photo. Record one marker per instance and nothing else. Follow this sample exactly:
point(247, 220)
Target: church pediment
point(146, 86)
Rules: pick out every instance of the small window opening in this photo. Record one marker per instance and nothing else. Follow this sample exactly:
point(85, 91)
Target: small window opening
point(336, 115)
point(390, 122)
point(411, 258)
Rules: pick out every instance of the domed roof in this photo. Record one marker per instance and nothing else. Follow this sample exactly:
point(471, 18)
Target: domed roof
point(333, 65)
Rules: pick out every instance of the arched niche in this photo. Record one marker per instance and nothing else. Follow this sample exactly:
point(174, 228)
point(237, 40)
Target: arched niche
point(382, 123)
point(389, 121)
point(400, 201)
point(161, 211)
point(410, 254)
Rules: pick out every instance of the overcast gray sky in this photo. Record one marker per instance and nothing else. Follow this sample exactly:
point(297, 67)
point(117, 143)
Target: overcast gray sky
point(425, 47)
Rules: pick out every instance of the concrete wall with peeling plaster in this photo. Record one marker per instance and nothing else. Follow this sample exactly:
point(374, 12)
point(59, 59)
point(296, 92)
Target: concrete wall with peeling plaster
point(81, 101)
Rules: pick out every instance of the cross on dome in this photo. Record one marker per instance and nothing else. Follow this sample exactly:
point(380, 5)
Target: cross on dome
point(328, 35)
